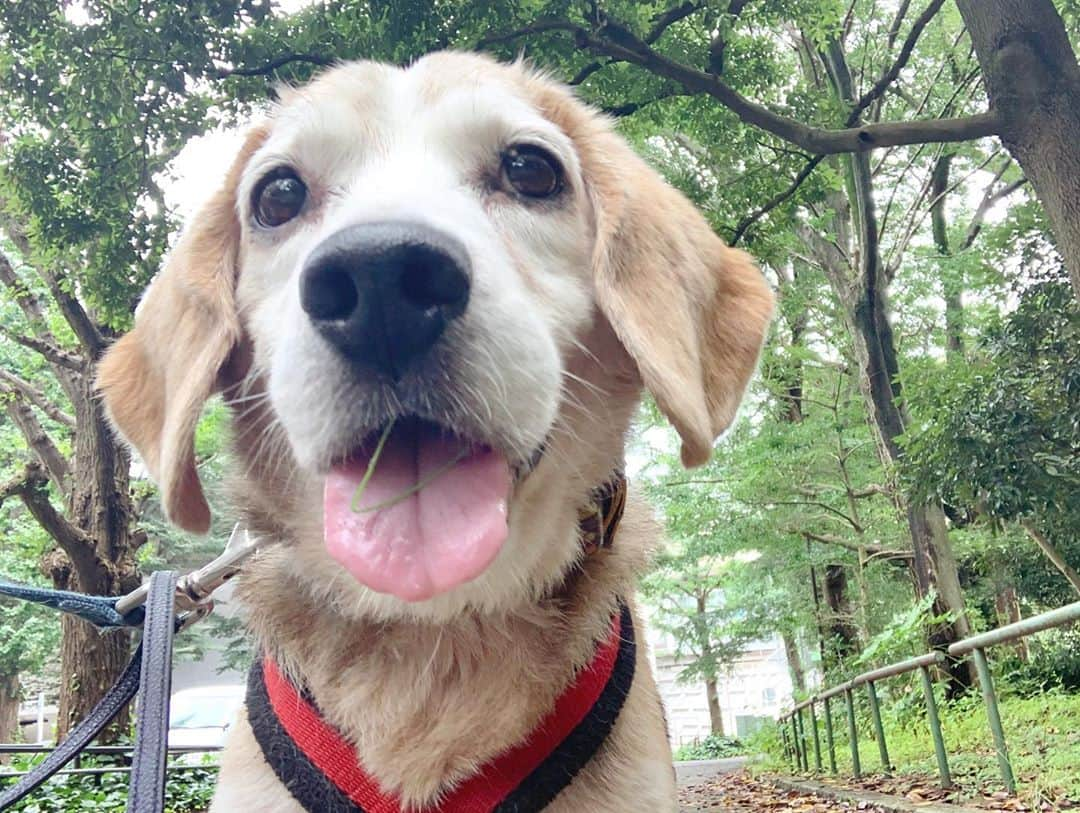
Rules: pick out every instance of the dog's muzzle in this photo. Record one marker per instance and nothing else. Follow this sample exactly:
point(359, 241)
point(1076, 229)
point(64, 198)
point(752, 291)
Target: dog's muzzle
point(382, 294)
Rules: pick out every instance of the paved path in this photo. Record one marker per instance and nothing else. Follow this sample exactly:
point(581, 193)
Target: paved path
point(698, 771)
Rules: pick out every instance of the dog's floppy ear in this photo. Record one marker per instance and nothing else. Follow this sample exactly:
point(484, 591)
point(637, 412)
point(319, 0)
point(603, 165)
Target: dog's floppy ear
point(691, 311)
point(156, 378)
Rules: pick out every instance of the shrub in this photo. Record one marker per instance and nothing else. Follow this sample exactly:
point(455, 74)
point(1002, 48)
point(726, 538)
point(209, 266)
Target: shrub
point(186, 791)
point(714, 746)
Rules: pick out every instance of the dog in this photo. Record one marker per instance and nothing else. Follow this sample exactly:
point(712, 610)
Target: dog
point(431, 298)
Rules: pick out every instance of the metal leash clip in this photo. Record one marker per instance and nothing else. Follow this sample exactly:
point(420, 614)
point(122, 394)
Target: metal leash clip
point(194, 590)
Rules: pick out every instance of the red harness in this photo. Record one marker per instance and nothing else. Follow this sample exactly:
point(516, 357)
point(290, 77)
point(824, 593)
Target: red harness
point(321, 770)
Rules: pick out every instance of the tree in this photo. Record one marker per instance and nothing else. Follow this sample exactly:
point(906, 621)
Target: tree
point(91, 121)
point(1004, 438)
point(1031, 75)
point(694, 590)
point(27, 633)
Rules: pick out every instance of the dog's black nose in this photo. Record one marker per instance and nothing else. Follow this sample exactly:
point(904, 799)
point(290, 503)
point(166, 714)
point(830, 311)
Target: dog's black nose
point(383, 293)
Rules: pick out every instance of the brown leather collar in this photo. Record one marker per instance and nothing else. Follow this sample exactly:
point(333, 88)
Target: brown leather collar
point(599, 518)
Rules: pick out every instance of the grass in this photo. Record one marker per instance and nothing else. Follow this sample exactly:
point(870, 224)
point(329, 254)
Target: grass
point(1042, 734)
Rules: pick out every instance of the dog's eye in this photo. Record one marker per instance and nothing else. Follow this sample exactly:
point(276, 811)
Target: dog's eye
point(278, 197)
point(532, 171)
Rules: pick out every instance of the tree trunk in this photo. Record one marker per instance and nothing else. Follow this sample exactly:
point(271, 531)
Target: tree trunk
point(1052, 553)
point(952, 291)
point(1007, 606)
point(95, 541)
point(1033, 81)
point(791, 649)
point(716, 718)
point(842, 629)
point(9, 709)
point(864, 297)
point(101, 506)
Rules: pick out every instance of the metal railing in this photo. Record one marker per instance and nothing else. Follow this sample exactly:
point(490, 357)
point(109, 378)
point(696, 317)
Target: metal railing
point(100, 750)
point(793, 729)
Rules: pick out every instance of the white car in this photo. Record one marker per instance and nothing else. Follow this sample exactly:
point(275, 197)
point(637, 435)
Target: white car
point(200, 717)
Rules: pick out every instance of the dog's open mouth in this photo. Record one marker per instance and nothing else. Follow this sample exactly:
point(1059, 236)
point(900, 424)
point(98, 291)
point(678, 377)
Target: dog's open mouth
point(416, 510)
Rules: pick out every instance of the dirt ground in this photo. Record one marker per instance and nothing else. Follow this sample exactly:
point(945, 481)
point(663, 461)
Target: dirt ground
point(740, 793)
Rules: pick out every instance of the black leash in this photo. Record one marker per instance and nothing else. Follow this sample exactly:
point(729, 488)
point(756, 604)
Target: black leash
point(154, 607)
point(149, 672)
point(146, 791)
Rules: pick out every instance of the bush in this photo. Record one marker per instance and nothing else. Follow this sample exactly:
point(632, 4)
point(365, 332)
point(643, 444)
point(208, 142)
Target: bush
point(186, 791)
point(714, 746)
point(1053, 663)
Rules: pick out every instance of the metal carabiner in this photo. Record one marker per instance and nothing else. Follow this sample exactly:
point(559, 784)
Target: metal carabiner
point(194, 589)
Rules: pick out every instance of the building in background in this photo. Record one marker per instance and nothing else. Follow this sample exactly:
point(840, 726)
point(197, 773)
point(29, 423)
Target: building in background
point(755, 688)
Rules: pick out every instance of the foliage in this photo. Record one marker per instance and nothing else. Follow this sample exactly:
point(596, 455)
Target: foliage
point(187, 790)
point(902, 637)
point(28, 634)
point(713, 746)
point(1004, 432)
point(1053, 662)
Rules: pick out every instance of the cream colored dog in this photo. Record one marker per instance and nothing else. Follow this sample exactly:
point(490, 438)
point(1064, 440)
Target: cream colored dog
point(462, 266)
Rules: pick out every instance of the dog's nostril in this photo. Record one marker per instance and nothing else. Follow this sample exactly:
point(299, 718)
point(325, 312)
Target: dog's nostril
point(434, 281)
point(331, 295)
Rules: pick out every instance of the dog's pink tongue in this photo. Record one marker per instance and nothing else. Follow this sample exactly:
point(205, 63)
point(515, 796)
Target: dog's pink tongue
point(431, 541)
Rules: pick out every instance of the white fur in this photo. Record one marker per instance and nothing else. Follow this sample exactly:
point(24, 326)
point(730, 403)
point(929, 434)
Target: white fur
point(390, 153)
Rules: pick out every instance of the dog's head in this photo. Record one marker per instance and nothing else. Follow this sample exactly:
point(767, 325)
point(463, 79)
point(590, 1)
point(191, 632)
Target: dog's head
point(454, 271)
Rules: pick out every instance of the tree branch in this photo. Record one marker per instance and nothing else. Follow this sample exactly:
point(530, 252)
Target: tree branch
point(629, 108)
point(49, 352)
point(75, 315)
point(743, 225)
point(618, 42)
point(67, 372)
point(855, 526)
point(36, 437)
point(661, 23)
point(1051, 552)
point(38, 398)
point(985, 205)
point(275, 64)
point(902, 58)
point(870, 491)
point(15, 486)
point(25, 299)
point(32, 487)
point(873, 550)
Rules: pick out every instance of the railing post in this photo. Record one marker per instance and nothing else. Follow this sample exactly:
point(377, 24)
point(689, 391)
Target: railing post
point(853, 733)
point(802, 742)
point(934, 722)
point(829, 742)
point(783, 737)
point(817, 738)
point(994, 717)
point(879, 729)
point(795, 742)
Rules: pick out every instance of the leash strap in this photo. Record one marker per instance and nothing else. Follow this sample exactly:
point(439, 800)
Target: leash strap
point(146, 791)
point(98, 610)
point(122, 692)
point(81, 735)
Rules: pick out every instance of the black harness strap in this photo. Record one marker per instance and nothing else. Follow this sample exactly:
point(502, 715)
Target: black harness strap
point(541, 787)
point(315, 792)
